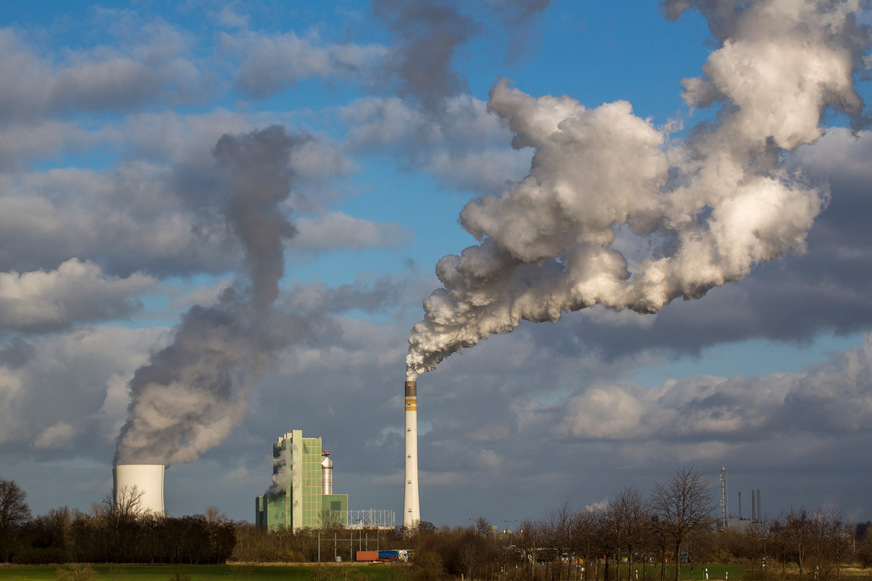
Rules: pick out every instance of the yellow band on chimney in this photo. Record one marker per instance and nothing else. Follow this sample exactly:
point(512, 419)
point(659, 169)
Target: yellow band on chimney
point(411, 404)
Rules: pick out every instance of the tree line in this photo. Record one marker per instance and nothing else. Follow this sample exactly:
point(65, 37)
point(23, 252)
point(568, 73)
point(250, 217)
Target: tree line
point(632, 537)
point(116, 530)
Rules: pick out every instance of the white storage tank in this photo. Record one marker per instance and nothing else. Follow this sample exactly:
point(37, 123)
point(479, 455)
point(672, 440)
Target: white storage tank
point(147, 478)
point(327, 475)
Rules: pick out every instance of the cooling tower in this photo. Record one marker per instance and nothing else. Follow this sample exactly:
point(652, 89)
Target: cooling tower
point(147, 478)
point(411, 508)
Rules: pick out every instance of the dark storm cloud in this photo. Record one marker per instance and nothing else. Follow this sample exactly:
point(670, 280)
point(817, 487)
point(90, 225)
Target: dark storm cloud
point(16, 352)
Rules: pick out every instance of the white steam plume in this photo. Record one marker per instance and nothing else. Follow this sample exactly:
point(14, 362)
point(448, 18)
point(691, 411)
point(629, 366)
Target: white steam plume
point(283, 473)
point(707, 210)
point(192, 393)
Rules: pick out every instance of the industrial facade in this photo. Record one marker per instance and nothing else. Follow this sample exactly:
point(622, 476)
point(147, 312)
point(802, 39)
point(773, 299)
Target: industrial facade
point(302, 492)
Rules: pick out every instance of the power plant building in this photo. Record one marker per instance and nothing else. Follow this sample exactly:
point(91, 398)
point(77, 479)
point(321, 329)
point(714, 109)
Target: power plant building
point(302, 492)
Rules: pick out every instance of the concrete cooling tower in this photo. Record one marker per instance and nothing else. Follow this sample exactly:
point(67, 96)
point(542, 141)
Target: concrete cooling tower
point(147, 478)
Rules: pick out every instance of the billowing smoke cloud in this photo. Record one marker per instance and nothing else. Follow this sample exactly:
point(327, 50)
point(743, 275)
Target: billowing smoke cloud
point(613, 213)
point(192, 393)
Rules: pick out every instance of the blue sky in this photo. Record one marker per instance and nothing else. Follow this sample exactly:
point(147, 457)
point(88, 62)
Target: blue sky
point(120, 218)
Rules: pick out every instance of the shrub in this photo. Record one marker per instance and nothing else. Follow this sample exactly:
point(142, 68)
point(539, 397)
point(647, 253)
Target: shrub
point(75, 572)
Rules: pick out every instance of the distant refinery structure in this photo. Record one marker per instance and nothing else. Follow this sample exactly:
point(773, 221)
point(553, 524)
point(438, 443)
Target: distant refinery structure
point(740, 523)
point(411, 506)
point(143, 480)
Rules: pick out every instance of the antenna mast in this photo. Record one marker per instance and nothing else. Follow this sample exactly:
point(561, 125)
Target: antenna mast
point(724, 497)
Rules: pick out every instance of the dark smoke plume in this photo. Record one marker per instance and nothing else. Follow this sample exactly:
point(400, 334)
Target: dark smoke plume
point(614, 213)
point(192, 393)
point(431, 33)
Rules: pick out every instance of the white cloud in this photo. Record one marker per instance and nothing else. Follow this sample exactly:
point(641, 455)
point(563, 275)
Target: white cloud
point(602, 412)
point(76, 292)
point(153, 68)
point(272, 63)
point(830, 399)
point(57, 436)
point(72, 385)
point(335, 231)
point(229, 17)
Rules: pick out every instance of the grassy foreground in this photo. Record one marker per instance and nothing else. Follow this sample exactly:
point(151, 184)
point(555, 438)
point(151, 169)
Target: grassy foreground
point(377, 572)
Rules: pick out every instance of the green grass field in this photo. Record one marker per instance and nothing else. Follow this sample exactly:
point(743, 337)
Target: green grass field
point(716, 572)
point(207, 572)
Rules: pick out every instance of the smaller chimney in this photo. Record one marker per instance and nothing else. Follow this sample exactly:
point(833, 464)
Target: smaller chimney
point(759, 508)
point(326, 473)
point(753, 507)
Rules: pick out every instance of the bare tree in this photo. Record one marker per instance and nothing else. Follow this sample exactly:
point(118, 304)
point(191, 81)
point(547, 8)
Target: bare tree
point(607, 539)
point(213, 515)
point(585, 541)
point(123, 506)
point(797, 534)
point(13, 513)
point(754, 543)
point(684, 507)
point(469, 558)
point(828, 544)
point(530, 537)
point(630, 518)
point(864, 547)
point(558, 532)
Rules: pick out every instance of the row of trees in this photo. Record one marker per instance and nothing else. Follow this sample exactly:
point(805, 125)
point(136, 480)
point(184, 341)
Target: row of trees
point(588, 543)
point(647, 539)
point(633, 537)
point(116, 530)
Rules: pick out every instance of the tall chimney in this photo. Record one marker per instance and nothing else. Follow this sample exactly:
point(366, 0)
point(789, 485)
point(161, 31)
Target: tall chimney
point(145, 481)
point(411, 508)
point(753, 507)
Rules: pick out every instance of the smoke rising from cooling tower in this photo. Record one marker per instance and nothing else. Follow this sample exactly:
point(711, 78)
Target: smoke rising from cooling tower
point(700, 212)
point(192, 393)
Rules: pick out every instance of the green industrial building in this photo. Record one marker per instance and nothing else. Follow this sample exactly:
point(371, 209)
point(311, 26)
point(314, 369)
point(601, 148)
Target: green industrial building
point(302, 492)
